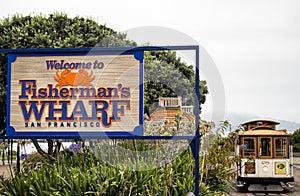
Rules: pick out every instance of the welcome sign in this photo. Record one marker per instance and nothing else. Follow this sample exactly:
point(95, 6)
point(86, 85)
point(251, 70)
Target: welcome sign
point(75, 93)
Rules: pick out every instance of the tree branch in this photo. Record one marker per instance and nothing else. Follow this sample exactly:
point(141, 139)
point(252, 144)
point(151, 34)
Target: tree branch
point(39, 149)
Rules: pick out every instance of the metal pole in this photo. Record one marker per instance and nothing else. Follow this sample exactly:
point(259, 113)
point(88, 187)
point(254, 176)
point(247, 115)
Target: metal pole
point(3, 153)
point(8, 153)
point(197, 135)
point(197, 173)
point(11, 152)
point(18, 158)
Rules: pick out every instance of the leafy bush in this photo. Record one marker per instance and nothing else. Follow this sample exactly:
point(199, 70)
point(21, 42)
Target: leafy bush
point(84, 174)
point(87, 173)
point(295, 140)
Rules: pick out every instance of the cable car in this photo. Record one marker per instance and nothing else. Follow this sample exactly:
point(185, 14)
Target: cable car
point(265, 153)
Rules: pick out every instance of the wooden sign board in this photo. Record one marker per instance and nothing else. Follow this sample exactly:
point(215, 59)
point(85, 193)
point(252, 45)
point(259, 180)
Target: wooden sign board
point(73, 93)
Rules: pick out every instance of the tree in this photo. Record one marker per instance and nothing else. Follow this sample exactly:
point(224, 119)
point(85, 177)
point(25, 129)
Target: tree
point(295, 140)
point(166, 75)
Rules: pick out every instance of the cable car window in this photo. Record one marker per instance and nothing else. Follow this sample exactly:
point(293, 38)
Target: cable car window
point(281, 147)
point(249, 147)
point(265, 146)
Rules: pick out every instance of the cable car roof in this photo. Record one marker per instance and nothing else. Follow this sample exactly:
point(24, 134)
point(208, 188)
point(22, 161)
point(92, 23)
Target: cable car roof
point(260, 124)
point(261, 121)
point(257, 132)
point(262, 127)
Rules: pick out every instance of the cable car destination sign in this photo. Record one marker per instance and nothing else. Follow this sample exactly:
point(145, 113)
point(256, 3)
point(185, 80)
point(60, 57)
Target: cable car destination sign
point(75, 93)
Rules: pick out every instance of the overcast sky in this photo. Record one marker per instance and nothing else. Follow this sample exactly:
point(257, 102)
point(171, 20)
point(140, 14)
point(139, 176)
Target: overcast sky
point(255, 44)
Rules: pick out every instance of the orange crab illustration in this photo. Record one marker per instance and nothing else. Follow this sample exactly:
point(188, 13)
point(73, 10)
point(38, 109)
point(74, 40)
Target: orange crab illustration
point(67, 77)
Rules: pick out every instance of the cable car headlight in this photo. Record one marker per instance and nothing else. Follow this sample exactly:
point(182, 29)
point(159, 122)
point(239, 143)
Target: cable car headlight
point(265, 168)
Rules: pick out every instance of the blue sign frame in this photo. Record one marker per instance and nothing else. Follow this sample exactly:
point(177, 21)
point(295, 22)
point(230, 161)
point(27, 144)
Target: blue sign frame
point(194, 140)
point(138, 54)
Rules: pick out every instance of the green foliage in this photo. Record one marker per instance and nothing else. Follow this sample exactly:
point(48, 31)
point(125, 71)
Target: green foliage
point(3, 146)
point(295, 140)
point(57, 31)
point(85, 174)
point(34, 162)
point(217, 164)
point(166, 75)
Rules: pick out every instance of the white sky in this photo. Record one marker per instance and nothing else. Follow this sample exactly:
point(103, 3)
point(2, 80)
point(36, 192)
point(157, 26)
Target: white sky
point(255, 44)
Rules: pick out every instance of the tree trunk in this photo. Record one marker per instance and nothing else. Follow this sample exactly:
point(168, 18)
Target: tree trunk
point(48, 155)
point(38, 148)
